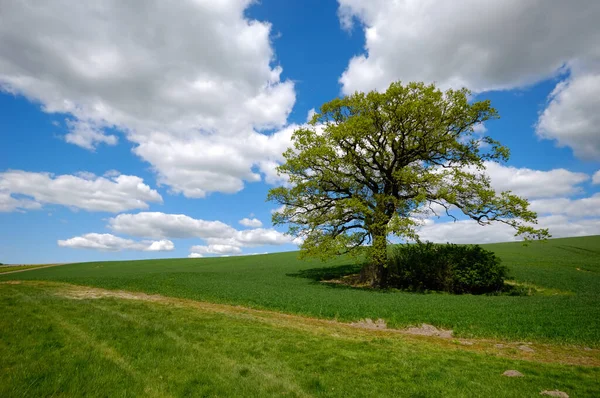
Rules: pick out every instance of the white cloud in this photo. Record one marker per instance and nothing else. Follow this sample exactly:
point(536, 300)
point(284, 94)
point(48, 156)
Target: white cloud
point(9, 203)
point(88, 136)
point(161, 225)
point(189, 83)
point(84, 191)
point(252, 238)
point(479, 128)
point(220, 237)
point(251, 222)
point(534, 183)
point(108, 242)
point(584, 207)
point(199, 164)
point(571, 116)
point(596, 178)
point(482, 45)
point(468, 231)
point(215, 249)
point(278, 209)
point(195, 255)
point(161, 245)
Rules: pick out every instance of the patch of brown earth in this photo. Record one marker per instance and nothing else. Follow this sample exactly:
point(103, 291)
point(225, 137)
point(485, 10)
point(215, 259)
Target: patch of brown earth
point(93, 293)
point(369, 324)
point(555, 393)
point(429, 330)
point(352, 280)
point(526, 348)
point(535, 290)
point(11, 282)
point(512, 373)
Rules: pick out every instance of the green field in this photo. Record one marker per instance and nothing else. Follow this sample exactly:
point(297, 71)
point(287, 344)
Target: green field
point(569, 313)
point(204, 331)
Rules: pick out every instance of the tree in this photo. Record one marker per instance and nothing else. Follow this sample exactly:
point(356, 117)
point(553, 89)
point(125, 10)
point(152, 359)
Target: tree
point(369, 165)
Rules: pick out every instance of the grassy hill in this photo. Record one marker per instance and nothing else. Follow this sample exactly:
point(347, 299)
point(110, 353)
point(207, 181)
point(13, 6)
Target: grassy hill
point(168, 328)
point(564, 272)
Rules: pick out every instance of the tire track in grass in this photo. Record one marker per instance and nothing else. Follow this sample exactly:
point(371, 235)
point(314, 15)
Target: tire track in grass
point(106, 351)
point(546, 353)
point(31, 269)
point(273, 379)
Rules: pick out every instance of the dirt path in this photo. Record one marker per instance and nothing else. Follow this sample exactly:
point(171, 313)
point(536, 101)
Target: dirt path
point(529, 351)
point(31, 269)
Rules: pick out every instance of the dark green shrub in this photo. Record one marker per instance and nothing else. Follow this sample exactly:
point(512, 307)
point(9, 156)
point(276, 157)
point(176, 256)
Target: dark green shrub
point(448, 268)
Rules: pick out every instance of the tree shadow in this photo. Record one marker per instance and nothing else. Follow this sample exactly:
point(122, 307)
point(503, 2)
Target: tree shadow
point(327, 273)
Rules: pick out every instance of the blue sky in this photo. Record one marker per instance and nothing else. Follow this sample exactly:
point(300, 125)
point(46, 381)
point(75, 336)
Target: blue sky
point(143, 133)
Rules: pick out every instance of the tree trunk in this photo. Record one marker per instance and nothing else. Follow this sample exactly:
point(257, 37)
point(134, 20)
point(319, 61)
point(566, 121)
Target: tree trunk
point(375, 272)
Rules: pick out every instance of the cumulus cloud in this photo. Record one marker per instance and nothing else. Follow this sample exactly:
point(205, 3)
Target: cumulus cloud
point(441, 42)
point(534, 183)
point(162, 225)
point(108, 242)
point(200, 251)
point(596, 178)
point(199, 164)
point(278, 209)
point(472, 43)
point(468, 231)
point(220, 238)
point(88, 136)
point(584, 207)
point(253, 238)
point(191, 85)
point(571, 117)
point(83, 191)
point(547, 192)
point(251, 222)
point(9, 203)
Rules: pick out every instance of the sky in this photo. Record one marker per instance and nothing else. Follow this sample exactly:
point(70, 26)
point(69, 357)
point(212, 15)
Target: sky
point(153, 130)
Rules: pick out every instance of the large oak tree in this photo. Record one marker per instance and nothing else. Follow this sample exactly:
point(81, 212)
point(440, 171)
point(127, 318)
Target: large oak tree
point(369, 164)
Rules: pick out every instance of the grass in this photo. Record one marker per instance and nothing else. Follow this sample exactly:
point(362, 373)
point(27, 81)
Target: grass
point(283, 283)
point(56, 340)
point(11, 268)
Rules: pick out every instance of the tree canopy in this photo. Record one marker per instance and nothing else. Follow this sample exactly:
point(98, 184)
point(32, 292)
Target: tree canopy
point(368, 165)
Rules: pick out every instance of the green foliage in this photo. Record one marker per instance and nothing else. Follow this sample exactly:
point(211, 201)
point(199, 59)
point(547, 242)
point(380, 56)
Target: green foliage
point(567, 266)
point(60, 347)
point(447, 268)
point(370, 164)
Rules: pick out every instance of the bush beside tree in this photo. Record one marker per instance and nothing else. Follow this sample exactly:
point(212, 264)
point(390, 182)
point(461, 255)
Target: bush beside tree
point(449, 268)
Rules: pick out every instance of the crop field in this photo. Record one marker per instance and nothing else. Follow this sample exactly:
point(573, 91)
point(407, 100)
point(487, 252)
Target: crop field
point(268, 325)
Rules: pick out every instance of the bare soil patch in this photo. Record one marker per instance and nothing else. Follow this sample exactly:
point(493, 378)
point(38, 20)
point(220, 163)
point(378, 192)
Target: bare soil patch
point(512, 373)
point(369, 324)
point(430, 330)
point(555, 393)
